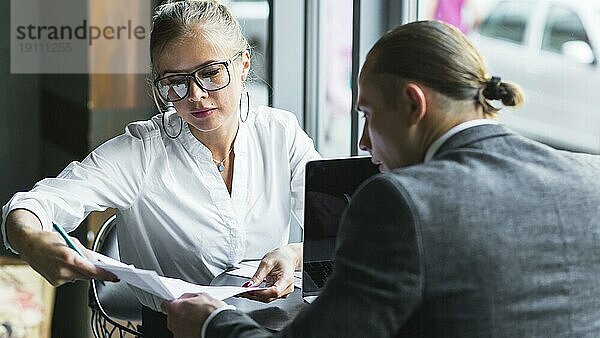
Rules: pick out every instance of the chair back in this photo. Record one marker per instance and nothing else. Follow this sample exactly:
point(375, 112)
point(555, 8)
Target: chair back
point(111, 302)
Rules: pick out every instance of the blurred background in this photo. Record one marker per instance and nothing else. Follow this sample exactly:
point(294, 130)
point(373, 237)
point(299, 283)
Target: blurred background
point(550, 48)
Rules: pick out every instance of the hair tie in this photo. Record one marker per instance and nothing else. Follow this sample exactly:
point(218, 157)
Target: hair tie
point(493, 89)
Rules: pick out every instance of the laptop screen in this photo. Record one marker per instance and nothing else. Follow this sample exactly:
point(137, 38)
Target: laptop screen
point(329, 186)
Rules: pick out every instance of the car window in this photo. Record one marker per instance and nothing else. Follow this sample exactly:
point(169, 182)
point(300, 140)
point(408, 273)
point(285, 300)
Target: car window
point(507, 21)
point(562, 25)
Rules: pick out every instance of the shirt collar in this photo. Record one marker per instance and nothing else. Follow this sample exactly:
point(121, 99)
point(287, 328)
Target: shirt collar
point(435, 146)
point(198, 149)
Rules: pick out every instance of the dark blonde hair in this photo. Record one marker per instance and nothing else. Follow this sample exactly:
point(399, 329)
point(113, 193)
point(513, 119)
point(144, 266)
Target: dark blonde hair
point(440, 57)
point(175, 20)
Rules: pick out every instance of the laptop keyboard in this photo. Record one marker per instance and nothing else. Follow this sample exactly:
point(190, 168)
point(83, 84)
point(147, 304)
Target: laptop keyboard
point(319, 271)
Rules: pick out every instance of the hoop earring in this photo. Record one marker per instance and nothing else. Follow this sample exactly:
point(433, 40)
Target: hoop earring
point(165, 128)
point(247, 107)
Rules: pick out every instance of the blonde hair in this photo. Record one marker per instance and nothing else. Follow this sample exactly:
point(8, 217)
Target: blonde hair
point(440, 57)
point(175, 20)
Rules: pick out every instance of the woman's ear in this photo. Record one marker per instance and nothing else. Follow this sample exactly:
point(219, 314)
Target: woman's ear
point(416, 97)
point(245, 64)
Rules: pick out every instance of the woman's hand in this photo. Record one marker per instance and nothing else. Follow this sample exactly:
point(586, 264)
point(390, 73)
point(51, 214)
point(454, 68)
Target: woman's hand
point(47, 253)
point(277, 270)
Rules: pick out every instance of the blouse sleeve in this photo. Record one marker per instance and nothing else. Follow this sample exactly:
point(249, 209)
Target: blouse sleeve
point(110, 176)
point(301, 150)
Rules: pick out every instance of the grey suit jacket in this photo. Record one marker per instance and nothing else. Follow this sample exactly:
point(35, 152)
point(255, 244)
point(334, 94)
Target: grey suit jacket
point(496, 236)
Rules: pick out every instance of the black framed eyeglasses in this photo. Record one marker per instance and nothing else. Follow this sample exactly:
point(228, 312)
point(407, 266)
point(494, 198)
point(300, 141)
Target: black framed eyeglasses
point(210, 78)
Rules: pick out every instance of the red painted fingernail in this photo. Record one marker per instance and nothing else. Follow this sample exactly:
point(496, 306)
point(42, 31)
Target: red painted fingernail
point(247, 284)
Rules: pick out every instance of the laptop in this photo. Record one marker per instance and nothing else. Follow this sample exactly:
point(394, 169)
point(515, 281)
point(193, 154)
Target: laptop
point(329, 186)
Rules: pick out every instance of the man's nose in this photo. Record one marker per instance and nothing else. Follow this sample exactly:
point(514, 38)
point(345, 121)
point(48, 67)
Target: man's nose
point(365, 142)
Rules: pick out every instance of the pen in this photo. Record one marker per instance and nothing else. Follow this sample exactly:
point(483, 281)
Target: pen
point(64, 235)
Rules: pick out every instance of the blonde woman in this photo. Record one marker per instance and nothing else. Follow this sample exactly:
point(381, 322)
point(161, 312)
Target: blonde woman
point(201, 186)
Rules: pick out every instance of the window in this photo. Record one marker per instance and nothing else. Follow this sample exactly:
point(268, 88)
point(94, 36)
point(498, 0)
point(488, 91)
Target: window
point(562, 25)
point(507, 21)
point(317, 51)
point(253, 16)
point(333, 124)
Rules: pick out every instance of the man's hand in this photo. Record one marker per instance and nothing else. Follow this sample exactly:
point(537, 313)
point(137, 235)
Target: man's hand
point(186, 315)
point(277, 269)
point(47, 253)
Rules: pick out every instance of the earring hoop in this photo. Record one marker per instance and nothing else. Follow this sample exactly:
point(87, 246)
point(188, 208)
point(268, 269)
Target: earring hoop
point(170, 108)
point(165, 127)
point(247, 107)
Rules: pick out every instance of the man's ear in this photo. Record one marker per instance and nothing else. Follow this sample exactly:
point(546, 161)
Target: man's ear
point(415, 95)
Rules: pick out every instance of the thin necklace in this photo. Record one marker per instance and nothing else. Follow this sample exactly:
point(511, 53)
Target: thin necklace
point(221, 164)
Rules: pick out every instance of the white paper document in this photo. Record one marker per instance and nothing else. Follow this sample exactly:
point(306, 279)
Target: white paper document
point(163, 287)
point(310, 299)
point(248, 268)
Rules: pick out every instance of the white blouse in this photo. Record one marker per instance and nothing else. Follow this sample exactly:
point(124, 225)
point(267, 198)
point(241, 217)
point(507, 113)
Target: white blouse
point(176, 215)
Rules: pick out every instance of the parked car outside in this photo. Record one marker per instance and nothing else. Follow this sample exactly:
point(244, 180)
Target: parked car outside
point(550, 48)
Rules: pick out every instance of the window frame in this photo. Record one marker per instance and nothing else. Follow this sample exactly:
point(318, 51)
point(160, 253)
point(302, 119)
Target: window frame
point(294, 72)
